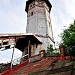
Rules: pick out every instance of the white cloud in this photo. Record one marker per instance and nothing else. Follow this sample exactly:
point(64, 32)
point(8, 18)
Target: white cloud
point(12, 16)
point(5, 2)
point(62, 14)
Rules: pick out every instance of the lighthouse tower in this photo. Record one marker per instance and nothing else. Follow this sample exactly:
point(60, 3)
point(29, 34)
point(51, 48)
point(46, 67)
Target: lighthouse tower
point(39, 21)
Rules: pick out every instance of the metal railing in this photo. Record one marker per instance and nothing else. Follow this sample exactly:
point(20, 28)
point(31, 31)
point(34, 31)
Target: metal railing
point(15, 62)
point(20, 59)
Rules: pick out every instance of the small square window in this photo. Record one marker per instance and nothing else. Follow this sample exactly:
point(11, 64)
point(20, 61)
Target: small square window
point(33, 4)
point(30, 5)
point(31, 13)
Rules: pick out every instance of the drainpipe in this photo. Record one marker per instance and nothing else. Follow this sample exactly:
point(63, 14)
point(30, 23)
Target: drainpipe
point(13, 53)
point(28, 48)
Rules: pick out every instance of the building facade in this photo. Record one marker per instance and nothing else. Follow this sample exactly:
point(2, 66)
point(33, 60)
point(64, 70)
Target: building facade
point(39, 21)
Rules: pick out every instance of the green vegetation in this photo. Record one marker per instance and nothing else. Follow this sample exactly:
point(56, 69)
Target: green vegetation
point(51, 51)
point(68, 35)
point(50, 48)
point(68, 38)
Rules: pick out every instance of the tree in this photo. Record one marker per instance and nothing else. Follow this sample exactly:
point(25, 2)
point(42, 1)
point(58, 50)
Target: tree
point(50, 47)
point(49, 50)
point(68, 37)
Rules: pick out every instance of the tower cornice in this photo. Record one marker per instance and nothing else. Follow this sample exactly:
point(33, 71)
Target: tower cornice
point(30, 1)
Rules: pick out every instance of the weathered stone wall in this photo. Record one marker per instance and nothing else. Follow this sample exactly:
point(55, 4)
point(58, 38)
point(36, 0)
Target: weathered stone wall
point(39, 22)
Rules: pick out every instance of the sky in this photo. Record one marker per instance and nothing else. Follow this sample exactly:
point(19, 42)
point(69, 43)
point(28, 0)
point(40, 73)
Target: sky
point(13, 19)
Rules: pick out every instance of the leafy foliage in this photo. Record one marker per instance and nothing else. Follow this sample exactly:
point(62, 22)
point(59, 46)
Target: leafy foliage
point(50, 47)
point(51, 51)
point(68, 35)
point(68, 38)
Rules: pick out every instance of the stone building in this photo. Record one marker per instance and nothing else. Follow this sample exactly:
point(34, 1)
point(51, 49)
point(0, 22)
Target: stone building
point(39, 22)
